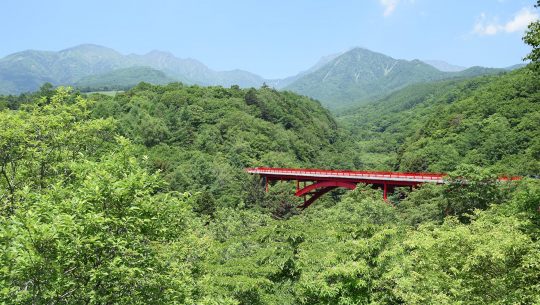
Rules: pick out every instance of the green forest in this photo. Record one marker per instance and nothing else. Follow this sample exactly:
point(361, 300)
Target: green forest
point(141, 197)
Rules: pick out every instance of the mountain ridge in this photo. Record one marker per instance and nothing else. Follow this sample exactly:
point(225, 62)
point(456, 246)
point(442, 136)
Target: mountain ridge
point(338, 80)
point(361, 75)
point(444, 66)
point(27, 70)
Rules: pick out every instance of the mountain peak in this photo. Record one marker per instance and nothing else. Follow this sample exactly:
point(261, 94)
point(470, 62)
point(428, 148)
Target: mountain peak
point(360, 50)
point(88, 47)
point(158, 53)
point(361, 75)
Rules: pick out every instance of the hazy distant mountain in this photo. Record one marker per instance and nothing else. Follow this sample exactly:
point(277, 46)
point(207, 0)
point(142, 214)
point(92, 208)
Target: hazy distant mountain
point(444, 66)
point(360, 76)
point(27, 70)
point(122, 79)
point(194, 72)
point(515, 67)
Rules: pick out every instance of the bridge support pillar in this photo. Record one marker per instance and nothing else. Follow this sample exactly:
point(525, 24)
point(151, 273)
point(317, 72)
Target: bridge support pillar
point(388, 189)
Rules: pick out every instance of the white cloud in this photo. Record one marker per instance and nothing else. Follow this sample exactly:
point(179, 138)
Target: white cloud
point(521, 21)
point(389, 6)
point(518, 24)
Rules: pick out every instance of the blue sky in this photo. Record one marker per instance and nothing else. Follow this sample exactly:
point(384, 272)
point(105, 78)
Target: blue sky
point(275, 38)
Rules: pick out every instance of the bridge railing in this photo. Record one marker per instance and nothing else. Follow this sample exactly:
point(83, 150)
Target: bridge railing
point(337, 173)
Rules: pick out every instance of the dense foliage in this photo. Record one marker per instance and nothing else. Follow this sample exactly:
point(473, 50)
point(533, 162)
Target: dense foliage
point(141, 198)
point(488, 121)
point(201, 139)
point(532, 38)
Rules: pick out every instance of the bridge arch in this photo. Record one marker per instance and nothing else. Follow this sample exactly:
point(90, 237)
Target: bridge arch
point(324, 184)
point(321, 187)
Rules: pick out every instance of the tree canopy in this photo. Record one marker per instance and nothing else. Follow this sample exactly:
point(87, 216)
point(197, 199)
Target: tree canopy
point(141, 197)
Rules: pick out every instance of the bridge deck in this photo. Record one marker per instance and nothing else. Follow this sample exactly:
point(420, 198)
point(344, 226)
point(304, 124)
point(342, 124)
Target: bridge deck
point(345, 175)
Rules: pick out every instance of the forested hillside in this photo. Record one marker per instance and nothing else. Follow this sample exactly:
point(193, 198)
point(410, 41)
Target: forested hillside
point(201, 139)
point(491, 122)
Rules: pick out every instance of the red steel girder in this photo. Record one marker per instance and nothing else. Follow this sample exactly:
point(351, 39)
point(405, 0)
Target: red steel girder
point(341, 179)
point(323, 184)
point(315, 196)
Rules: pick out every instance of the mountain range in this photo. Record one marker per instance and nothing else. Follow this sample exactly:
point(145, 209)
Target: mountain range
point(27, 70)
point(352, 77)
point(360, 76)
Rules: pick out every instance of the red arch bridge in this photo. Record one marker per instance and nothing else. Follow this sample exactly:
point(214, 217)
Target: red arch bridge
point(317, 182)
